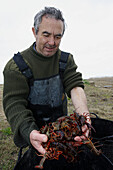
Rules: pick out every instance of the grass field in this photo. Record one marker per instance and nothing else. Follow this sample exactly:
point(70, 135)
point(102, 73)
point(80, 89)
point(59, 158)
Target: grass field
point(99, 92)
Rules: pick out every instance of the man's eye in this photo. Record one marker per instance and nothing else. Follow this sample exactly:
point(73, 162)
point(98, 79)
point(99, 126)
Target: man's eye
point(46, 35)
point(58, 37)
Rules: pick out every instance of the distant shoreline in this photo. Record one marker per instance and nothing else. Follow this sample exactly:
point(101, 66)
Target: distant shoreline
point(96, 78)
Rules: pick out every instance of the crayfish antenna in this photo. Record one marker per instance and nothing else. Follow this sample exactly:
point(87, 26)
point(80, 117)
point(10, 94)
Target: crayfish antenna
point(90, 126)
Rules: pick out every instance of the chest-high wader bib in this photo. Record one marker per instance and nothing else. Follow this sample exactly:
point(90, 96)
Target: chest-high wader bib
point(47, 98)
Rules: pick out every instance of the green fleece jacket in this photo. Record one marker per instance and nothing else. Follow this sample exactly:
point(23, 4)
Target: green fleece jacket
point(16, 89)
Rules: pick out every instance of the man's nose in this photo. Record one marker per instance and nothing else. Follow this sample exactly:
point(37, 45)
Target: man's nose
point(52, 41)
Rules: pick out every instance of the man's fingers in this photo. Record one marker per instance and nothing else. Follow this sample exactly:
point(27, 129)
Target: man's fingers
point(36, 140)
point(35, 135)
point(84, 128)
point(39, 147)
point(77, 138)
point(42, 138)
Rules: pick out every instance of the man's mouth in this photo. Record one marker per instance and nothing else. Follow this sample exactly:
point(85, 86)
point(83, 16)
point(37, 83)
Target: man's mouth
point(50, 47)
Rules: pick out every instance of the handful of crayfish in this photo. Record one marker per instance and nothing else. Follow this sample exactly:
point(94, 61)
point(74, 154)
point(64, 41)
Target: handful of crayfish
point(61, 134)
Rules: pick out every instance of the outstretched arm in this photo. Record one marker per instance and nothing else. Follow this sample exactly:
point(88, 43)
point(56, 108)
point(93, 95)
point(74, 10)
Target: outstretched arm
point(79, 101)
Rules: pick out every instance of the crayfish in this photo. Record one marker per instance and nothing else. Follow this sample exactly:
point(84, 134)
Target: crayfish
point(61, 134)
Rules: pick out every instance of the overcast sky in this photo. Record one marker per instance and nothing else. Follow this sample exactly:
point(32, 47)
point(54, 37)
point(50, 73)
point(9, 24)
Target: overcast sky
point(88, 35)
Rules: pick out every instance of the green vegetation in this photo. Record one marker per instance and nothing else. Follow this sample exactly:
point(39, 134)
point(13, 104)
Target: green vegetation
point(7, 131)
point(8, 151)
point(86, 82)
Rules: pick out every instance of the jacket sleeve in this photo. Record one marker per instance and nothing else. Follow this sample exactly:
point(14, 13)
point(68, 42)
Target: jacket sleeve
point(15, 94)
point(72, 78)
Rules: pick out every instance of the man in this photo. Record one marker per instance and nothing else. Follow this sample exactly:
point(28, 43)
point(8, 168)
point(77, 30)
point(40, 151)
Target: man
point(28, 106)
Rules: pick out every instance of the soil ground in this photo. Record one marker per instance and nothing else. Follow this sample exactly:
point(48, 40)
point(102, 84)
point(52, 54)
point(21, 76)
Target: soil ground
point(99, 92)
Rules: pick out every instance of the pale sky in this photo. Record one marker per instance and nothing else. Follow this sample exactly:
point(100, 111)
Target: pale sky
point(88, 35)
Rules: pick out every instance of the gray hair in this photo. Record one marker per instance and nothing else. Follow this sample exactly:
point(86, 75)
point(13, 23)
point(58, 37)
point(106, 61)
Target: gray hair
point(50, 12)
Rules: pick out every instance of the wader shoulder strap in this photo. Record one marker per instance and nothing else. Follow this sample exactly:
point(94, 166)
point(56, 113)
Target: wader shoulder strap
point(26, 71)
point(63, 62)
point(23, 67)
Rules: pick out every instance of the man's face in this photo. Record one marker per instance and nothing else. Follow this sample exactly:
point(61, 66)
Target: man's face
point(49, 36)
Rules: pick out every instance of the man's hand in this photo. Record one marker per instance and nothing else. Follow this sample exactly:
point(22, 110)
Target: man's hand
point(85, 130)
point(36, 140)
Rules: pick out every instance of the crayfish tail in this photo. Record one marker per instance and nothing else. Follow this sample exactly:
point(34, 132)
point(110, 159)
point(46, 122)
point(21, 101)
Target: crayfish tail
point(93, 148)
point(40, 166)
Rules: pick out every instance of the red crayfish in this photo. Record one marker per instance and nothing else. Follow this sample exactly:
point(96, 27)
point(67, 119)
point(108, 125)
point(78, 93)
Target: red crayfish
point(61, 134)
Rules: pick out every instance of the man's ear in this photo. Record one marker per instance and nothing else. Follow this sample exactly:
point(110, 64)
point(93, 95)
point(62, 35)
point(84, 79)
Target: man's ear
point(33, 30)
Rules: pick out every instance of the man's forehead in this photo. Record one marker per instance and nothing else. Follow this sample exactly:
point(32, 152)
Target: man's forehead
point(48, 18)
point(51, 24)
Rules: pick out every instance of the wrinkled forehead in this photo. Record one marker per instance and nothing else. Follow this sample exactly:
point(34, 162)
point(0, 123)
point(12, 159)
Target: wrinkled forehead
point(50, 24)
